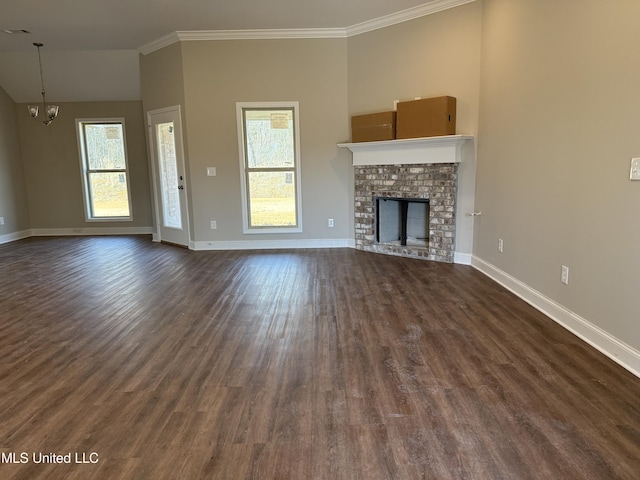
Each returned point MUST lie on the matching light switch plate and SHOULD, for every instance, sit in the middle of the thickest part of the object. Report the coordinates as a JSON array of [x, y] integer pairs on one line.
[[635, 169], [211, 171]]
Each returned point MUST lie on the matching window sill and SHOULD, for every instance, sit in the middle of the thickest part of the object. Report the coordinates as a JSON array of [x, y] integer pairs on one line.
[[111, 219]]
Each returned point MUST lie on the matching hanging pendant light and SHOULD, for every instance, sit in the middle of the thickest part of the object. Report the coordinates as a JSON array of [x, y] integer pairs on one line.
[[50, 111]]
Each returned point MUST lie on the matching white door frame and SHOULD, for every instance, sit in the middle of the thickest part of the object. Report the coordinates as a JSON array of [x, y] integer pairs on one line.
[[157, 233]]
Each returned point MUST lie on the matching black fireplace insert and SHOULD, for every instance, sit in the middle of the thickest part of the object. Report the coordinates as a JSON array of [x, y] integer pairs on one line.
[[402, 220]]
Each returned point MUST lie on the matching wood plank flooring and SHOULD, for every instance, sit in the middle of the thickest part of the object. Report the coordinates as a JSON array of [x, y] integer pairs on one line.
[[312, 364]]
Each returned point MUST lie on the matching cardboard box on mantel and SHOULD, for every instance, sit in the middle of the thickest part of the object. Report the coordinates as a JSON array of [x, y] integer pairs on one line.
[[427, 117], [373, 127]]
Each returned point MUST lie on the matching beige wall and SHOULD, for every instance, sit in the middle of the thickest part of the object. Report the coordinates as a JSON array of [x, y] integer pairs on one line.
[[161, 78], [559, 123], [428, 57], [217, 74], [162, 86], [13, 193], [52, 166]]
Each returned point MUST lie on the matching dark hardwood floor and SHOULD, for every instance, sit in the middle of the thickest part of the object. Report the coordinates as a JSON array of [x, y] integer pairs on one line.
[[166, 363]]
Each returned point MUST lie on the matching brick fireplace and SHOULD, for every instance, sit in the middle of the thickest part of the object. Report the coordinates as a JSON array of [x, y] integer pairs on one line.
[[420, 170], [436, 183]]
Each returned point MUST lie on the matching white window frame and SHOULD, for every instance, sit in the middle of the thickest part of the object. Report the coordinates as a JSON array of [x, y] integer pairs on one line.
[[244, 170], [85, 171]]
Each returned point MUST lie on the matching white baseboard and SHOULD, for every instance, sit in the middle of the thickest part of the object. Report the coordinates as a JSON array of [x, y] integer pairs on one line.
[[269, 244], [12, 237], [462, 258], [621, 353], [67, 232]]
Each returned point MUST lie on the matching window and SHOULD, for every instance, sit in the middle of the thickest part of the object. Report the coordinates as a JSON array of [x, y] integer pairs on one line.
[[270, 166], [105, 177]]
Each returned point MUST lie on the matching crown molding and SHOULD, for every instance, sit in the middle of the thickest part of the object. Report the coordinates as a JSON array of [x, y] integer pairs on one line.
[[429, 8], [266, 34], [273, 34], [161, 42]]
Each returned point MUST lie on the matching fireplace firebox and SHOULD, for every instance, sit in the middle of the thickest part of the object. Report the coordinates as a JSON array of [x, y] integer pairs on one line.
[[402, 221]]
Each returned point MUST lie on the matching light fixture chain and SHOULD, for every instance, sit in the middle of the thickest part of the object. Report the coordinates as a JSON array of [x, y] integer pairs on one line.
[[38, 45]]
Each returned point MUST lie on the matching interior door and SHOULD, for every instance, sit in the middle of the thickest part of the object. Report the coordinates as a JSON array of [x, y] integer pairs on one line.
[[165, 138]]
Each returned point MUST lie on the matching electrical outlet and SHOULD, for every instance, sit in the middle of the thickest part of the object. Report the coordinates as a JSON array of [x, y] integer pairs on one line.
[[214, 224], [211, 171], [330, 223], [1, 220], [564, 276], [500, 245]]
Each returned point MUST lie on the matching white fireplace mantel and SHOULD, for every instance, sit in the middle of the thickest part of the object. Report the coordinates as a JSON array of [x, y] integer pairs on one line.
[[445, 149]]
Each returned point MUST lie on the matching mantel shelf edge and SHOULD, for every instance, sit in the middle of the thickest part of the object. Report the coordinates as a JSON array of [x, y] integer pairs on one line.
[[444, 149]]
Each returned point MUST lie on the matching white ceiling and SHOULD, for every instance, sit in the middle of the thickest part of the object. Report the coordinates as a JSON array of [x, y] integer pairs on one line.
[[91, 47], [130, 24]]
